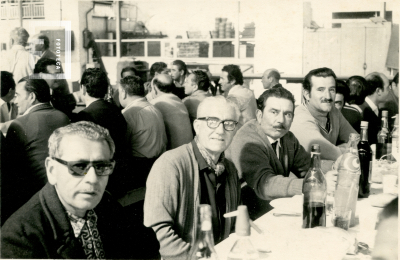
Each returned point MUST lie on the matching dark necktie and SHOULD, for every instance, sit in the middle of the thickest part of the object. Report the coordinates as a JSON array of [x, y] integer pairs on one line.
[[274, 146]]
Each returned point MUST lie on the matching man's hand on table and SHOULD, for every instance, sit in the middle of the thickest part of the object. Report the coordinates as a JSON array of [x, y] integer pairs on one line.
[[331, 178]]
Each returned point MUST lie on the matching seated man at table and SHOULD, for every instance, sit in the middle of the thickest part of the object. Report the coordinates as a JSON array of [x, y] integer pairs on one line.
[[317, 121], [192, 174], [265, 152], [72, 216]]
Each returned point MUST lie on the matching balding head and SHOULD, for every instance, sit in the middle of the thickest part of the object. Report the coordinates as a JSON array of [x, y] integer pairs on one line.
[[163, 83], [378, 86], [19, 36], [270, 78]]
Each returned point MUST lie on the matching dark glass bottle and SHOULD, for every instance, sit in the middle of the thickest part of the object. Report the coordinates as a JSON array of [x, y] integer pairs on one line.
[[203, 247], [365, 155], [314, 190], [383, 146]]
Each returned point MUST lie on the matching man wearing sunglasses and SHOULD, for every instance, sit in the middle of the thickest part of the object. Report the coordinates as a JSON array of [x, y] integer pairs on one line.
[[72, 217], [192, 174]]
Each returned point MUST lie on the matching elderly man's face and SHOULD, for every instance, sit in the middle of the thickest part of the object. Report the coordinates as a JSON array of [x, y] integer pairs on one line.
[[277, 117], [339, 101], [384, 95], [78, 193], [215, 140], [323, 91]]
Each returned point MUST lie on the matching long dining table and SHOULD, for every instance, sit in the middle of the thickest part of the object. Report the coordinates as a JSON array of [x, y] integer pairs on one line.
[[281, 231]]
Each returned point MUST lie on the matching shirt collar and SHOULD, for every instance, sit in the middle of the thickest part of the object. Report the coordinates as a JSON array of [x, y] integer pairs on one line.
[[29, 109], [200, 160], [132, 103], [273, 141], [77, 223], [371, 104]]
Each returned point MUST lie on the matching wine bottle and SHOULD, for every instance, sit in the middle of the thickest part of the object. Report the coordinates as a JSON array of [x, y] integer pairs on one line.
[[365, 155], [383, 146], [314, 190], [203, 246]]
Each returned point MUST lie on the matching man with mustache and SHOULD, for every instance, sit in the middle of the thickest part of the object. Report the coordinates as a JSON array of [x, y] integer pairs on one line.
[[265, 152], [72, 216], [317, 121], [192, 174]]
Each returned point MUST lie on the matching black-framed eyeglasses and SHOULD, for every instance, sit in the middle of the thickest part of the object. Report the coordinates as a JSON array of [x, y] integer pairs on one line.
[[213, 122], [80, 168]]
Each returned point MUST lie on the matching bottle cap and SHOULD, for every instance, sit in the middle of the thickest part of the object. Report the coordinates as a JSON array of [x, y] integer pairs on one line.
[[315, 148], [242, 221], [364, 123], [385, 113]]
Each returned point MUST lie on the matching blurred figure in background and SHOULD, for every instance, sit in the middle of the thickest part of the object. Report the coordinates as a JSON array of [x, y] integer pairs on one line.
[[270, 78], [8, 110], [392, 104], [179, 72], [350, 113], [156, 69]]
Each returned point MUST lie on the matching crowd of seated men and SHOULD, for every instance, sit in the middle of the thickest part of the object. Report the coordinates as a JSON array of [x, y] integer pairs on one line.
[[185, 140]]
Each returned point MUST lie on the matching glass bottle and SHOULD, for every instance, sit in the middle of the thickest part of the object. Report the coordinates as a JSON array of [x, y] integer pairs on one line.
[[365, 155], [383, 146], [395, 139], [348, 180], [314, 190], [243, 248], [203, 247]]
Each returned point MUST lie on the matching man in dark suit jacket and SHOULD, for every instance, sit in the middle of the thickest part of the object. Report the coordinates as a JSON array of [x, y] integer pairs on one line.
[[26, 144], [377, 91], [69, 217], [94, 87]]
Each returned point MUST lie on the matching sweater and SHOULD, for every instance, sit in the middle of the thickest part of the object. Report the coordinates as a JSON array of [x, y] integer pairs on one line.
[[308, 131], [173, 196]]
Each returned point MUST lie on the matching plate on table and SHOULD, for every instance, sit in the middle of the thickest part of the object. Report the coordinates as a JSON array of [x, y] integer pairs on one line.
[[288, 205]]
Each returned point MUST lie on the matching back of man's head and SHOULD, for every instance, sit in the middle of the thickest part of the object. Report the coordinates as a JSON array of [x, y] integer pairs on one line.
[[276, 91], [181, 66], [357, 86], [7, 83], [374, 81], [126, 69], [19, 36], [39, 87], [157, 67], [41, 65], [274, 74], [201, 79], [320, 72], [164, 83], [234, 73], [95, 82], [85, 129], [133, 86]]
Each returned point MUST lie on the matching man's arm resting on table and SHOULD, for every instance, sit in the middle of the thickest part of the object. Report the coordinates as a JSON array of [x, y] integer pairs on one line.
[[160, 208]]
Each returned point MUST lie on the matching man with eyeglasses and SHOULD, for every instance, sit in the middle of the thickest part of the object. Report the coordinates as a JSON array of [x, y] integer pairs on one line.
[[193, 174], [72, 216], [265, 152]]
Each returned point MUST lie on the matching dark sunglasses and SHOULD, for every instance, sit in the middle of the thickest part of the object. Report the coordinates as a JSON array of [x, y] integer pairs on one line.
[[80, 168], [213, 122]]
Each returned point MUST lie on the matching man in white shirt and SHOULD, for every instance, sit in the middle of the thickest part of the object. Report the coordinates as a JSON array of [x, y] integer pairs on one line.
[[17, 60], [377, 91]]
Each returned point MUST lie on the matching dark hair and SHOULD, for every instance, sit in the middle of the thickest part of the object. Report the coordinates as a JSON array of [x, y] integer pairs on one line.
[[201, 79], [41, 65], [157, 67], [166, 88], [274, 74], [276, 91], [357, 86], [374, 81], [46, 41], [95, 82], [234, 73], [342, 88], [133, 85], [321, 72], [7, 82], [396, 78], [181, 66], [39, 87], [128, 69]]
